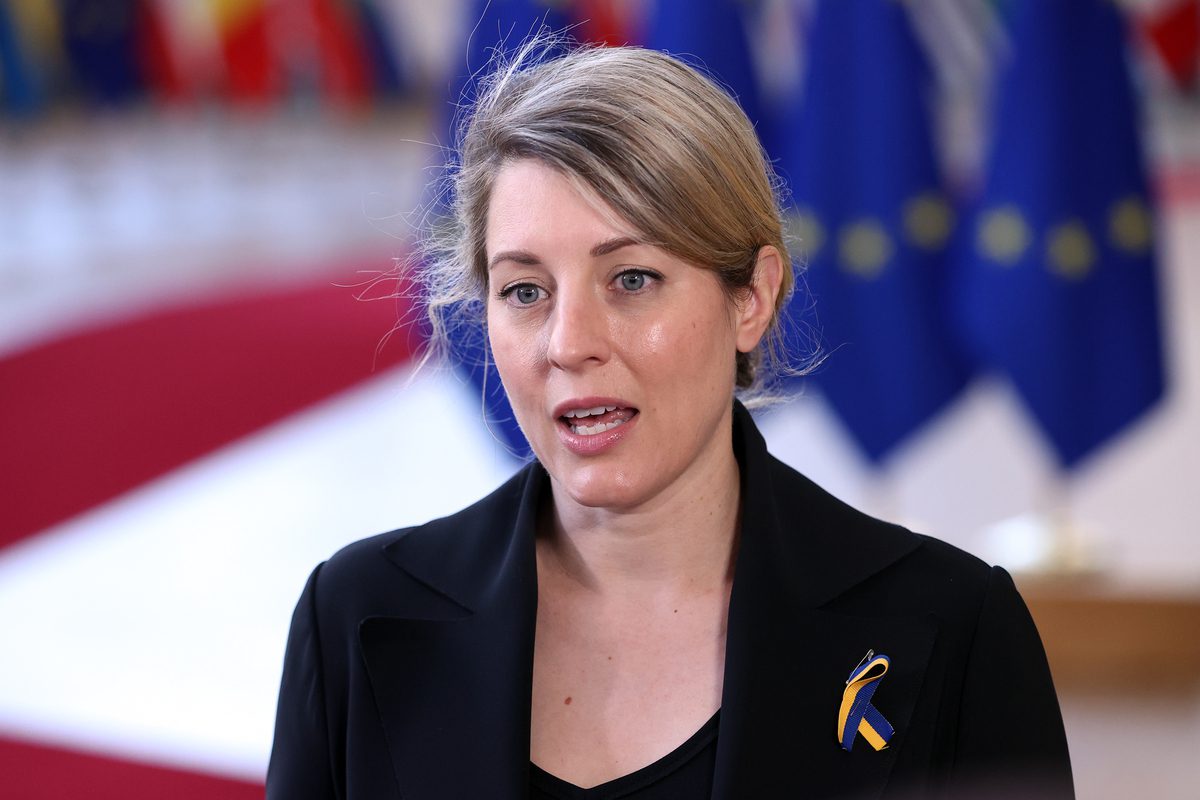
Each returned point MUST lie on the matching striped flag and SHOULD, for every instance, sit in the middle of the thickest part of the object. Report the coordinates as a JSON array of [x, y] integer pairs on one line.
[[252, 69], [18, 88], [193, 48], [27, 32], [342, 52], [383, 44], [156, 54], [100, 40]]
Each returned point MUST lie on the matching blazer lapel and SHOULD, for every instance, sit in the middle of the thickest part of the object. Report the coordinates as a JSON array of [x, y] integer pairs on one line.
[[452, 674], [788, 658]]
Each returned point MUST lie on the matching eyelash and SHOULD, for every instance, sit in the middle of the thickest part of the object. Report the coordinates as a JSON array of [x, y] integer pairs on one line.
[[508, 291]]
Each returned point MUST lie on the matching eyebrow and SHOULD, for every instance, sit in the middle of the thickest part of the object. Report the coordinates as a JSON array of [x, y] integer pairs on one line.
[[613, 245], [525, 257]]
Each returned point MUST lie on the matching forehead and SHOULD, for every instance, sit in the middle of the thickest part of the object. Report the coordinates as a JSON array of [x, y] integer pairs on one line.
[[533, 204]]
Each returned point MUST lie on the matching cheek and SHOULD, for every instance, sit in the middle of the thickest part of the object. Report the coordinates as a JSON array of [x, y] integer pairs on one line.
[[696, 340], [517, 355], [657, 338], [693, 355]]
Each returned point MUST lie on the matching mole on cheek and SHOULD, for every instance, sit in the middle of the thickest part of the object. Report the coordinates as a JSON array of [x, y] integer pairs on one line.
[[567, 702]]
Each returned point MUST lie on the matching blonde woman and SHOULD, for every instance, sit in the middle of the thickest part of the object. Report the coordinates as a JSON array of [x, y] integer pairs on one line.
[[655, 607]]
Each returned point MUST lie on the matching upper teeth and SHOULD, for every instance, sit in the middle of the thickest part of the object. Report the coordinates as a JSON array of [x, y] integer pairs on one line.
[[588, 412]]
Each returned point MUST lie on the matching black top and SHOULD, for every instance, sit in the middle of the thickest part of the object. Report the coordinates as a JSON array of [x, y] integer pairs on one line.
[[409, 665], [685, 773]]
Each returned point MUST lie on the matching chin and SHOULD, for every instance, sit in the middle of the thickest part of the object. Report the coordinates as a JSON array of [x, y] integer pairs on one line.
[[601, 488]]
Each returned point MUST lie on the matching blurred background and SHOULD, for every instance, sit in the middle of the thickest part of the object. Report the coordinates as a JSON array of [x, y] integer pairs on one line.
[[207, 338]]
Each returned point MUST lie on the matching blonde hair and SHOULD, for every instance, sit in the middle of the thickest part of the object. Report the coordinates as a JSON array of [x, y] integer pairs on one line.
[[661, 144]]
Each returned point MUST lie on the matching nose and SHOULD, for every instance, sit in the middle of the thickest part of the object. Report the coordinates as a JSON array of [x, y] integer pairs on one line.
[[578, 331]]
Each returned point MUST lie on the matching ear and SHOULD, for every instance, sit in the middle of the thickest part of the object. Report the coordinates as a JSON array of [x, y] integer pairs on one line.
[[756, 312]]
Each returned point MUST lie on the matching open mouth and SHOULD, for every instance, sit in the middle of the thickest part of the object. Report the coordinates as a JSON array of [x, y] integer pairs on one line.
[[596, 420]]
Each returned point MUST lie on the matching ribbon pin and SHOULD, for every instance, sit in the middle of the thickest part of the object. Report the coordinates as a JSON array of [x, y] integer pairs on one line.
[[857, 715]]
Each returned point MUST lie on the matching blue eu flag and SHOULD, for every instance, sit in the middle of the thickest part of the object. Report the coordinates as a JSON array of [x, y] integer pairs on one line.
[[1057, 287], [495, 28], [873, 223], [712, 35], [472, 358]]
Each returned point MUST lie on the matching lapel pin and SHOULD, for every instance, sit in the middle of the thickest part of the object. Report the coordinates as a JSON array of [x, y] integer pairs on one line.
[[857, 714]]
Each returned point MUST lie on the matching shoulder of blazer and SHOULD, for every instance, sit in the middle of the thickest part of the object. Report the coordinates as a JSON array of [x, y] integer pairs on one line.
[[818, 584], [918, 571], [432, 571], [421, 641]]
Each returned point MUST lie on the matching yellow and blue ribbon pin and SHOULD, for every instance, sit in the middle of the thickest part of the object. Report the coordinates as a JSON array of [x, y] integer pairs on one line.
[[857, 715]]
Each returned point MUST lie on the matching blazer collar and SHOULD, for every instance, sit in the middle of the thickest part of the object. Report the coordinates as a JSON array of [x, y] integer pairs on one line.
[[454, 698], [483, 555], [796, 537]]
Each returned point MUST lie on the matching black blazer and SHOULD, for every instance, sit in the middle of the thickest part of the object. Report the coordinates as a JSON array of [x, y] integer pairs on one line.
[[410, 659]]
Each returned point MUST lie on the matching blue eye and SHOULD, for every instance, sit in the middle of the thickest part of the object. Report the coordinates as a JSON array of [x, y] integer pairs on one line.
[[526, 294], [634, 280], [521, 294]]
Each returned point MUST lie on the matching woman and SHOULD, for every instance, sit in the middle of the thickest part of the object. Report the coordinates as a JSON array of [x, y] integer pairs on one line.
[[655, 608]]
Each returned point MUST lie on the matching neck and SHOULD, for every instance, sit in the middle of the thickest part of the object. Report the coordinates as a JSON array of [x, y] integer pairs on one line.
[[683, 541]]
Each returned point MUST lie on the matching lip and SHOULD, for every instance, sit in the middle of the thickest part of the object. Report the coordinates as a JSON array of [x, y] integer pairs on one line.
[[585, 445]]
